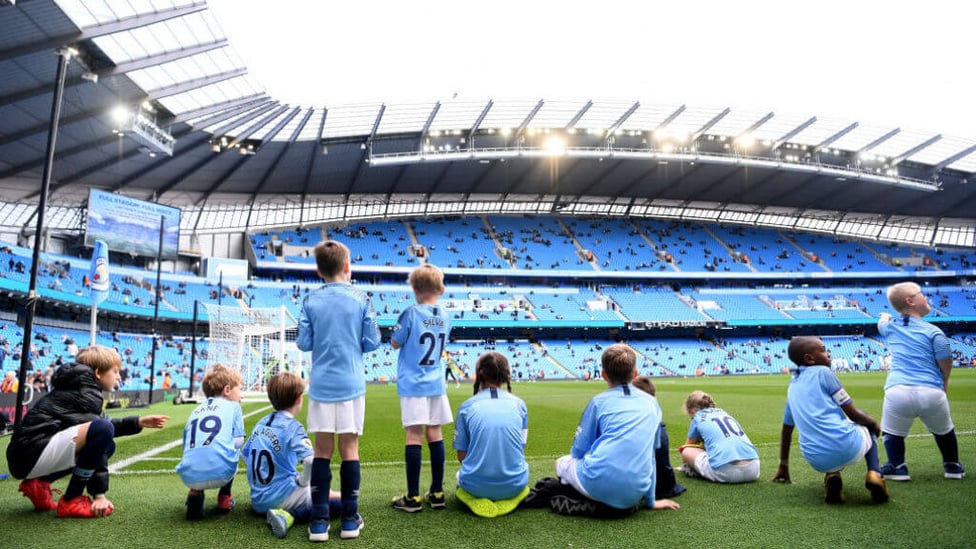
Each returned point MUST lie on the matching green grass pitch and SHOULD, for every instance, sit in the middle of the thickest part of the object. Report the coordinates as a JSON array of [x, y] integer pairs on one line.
[[929, 511]]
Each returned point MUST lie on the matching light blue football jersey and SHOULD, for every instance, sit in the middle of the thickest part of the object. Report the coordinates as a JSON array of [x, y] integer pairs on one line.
[[271, 455], [422, 331], [492, 427], [725, 440], [208, 441]]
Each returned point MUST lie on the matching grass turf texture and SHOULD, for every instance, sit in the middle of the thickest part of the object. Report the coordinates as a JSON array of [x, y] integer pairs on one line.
[[928, 511]]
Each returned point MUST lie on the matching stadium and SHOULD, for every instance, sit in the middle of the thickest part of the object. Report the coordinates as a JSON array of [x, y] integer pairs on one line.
[[703, 237]]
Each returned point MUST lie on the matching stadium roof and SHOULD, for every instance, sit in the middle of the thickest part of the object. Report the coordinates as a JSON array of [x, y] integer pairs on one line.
[[238, 150]]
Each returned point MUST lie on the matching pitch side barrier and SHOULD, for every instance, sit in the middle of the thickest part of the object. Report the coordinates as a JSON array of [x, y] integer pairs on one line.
[[836, 321], [116, 399], [273, 266]]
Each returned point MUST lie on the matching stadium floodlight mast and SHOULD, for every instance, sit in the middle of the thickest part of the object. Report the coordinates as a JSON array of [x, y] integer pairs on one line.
[[65, 53]]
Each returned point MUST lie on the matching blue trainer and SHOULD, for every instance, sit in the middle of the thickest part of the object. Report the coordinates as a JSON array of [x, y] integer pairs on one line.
[[351, 527], [953, 470], [318, 530], [891, 472]]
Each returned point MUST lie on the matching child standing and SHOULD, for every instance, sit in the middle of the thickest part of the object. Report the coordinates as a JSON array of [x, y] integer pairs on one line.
[[66, 432], [921, 361], [612, 458], [490, 436], [338, 324], [212, 439], [717, 448], [276, 446], [821, 409], [421, 333]]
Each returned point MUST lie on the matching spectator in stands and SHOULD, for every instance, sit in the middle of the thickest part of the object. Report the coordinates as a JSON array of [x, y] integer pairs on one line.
[[817, 404], [717, 447], [918, 379], [490, 436], [420, 334], [9, 384], [65, 432]]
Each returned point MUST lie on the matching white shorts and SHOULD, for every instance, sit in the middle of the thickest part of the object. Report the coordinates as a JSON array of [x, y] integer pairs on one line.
[[435, 410], [866, 441], [58, 455], [299, 499], [904, 403], [566, 471], [337, 417], [730, 473]]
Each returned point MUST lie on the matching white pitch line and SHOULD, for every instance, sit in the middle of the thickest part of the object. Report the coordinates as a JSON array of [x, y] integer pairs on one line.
[[122, 464]]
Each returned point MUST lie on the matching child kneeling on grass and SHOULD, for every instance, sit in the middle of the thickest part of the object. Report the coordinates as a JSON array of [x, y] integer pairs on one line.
[[271, 455], [66, 432], [717, 448], [821, 409], [211, 441], [489, 436]]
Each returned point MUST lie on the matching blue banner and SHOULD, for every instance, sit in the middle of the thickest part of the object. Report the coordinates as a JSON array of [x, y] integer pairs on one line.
[[98, 275]]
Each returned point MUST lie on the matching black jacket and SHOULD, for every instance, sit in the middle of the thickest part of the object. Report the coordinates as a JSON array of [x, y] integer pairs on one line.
[[76, 398]]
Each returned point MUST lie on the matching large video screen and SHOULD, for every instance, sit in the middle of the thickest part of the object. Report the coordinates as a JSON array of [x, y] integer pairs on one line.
[[132, 226]]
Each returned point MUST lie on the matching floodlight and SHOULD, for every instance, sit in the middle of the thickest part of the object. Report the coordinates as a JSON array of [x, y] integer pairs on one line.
[[121, 115]]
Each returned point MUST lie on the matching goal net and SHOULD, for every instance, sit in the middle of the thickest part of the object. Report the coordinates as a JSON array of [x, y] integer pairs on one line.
[[258, 342]]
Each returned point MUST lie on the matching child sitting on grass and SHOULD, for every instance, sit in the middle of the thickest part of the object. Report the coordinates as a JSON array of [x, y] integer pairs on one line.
[[276, 446], [717, 448], [211, 441], [66, 432], [821, 409], [490, 435], [665, 485], [612, 457]]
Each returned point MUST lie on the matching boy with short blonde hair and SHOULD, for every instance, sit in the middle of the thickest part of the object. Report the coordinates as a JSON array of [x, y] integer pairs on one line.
[[67, 432], [420, 334], [212, 439], [338, 325]]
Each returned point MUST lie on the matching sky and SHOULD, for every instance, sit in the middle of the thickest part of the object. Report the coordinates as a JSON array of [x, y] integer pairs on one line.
[[892, 64]]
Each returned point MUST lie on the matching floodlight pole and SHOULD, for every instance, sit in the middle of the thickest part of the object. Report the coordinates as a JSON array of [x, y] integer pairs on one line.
[[64, 56], [159, 272]]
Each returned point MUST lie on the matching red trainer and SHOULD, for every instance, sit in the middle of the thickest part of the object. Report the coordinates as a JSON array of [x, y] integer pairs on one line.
[[39, 492], [225, 503], [79, 507]]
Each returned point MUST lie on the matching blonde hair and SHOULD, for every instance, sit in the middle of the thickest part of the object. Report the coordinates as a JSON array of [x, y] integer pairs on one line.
[[697, 400], [284, 390], [897, 293], [218, 377], [427, 279], [99, 358]]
